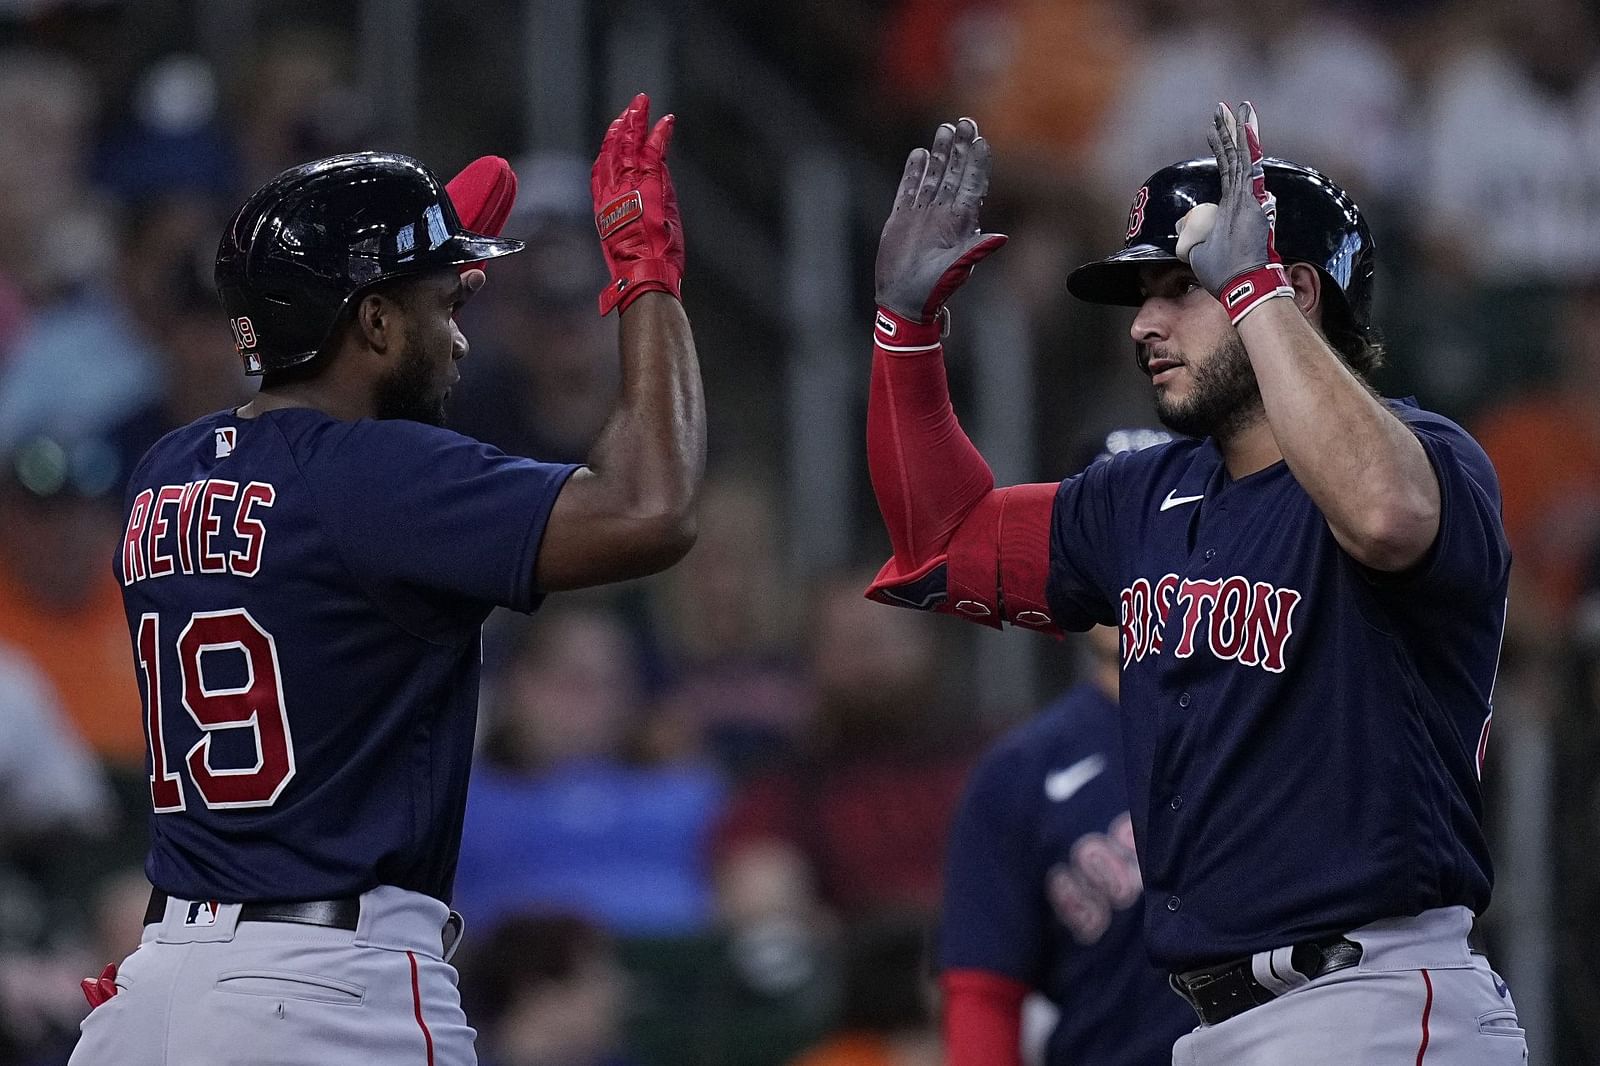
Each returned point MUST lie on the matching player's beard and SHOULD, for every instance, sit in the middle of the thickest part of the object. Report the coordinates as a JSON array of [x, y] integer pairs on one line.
[[408, 390], [1224, 396]]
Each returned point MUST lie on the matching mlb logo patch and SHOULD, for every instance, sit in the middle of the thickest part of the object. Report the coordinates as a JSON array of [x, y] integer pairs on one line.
[[226, 436], [201, 912]]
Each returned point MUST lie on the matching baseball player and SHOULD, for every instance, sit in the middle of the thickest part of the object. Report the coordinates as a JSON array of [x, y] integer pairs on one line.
[[1310, 592], [306, 577], [1042, 891]]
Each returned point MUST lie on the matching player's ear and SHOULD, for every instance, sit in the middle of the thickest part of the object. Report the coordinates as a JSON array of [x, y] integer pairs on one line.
[[1307, 284], [377, 319]]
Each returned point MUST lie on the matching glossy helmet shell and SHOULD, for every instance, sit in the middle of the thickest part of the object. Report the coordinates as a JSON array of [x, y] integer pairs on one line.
[[1318, 223], [309, 240]]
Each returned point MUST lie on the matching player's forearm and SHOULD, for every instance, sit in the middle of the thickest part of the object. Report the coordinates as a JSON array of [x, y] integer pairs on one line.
[[926, 473], [1364, 469], [652, 451]]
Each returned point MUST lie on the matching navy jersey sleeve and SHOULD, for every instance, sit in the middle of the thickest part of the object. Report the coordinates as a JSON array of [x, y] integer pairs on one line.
[[424, 507], [994, 915], [1082, 587], [1470, 555]]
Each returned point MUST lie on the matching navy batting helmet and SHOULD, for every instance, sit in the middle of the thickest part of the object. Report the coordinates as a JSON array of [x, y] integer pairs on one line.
[[1318, 223], [318, 234]]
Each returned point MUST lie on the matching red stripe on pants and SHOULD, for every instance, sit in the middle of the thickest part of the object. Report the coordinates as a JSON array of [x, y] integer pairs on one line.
[[1427, 1009], [416, 1000]]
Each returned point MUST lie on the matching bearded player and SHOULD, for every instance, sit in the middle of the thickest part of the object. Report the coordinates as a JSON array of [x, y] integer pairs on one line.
[[1310, 593]]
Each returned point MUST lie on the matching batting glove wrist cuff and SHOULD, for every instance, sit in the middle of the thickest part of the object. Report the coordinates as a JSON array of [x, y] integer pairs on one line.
[[897, 334], [1247, 291], [642, 276]]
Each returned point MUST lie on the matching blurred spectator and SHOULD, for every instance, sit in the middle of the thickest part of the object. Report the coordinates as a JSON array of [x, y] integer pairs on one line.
[[47, 115], [568, 808], [166, 282], [860, 816], [1546, 448], [727, 631], [544, 371], [297, 102], [59, 602], [146, 355], [1330, 94], [176, 142], [55, 809], [544, 990], [1522, 202], [1505, 219], [49, 782], [887, 1011], [1039, 74]]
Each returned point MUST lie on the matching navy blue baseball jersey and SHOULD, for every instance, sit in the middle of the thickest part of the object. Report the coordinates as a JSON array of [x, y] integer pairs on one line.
[[305, 597], [1042, 886], [1304, 735]]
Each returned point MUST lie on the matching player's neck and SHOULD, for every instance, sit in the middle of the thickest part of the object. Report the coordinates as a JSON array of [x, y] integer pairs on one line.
[[344, 404], [1251, 448]]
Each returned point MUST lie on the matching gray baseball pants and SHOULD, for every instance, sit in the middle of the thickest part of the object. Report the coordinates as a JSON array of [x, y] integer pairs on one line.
[[205, 989], [1419, 996]]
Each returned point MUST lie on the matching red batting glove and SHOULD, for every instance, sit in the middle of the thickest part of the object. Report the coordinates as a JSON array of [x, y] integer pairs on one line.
[[636, 209], [483, 195], [99, 989]]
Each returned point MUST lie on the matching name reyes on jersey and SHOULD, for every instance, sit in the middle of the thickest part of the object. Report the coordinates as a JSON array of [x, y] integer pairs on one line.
[[211, 526], [1247, 621]]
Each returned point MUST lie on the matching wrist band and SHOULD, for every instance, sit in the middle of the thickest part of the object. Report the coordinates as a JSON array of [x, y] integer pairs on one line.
[[1247, 291], [896, 333]]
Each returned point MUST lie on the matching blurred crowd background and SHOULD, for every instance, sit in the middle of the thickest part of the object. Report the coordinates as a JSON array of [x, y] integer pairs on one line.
[[707, 823]]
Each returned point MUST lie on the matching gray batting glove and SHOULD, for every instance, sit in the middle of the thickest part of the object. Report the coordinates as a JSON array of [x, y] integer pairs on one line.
[[1230, 245], [932, 241]]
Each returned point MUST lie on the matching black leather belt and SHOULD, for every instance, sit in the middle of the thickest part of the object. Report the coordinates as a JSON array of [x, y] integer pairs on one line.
[[331, 913], [1221, 992]]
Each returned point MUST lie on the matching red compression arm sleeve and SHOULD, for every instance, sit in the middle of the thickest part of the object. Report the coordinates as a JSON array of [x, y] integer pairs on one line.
[[982, 1018], [938, 499]]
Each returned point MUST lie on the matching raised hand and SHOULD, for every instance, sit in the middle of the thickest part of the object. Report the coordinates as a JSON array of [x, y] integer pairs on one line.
[[1230, 245], [636, 208], [932, 240]]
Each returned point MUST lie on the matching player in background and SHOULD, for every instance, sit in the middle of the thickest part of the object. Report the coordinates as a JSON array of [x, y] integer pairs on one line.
[[306, 578], [1310, 592], [1042, 887]]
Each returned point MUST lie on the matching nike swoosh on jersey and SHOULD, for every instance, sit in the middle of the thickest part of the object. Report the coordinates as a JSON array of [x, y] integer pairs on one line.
[[1177, 501], [1062, 784]]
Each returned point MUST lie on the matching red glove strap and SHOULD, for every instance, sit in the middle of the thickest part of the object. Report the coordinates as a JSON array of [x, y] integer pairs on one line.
[[644, 275], [1250, 290]]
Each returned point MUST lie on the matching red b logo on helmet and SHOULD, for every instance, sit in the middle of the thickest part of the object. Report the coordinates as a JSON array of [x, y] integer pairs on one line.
[[1136, 212]]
